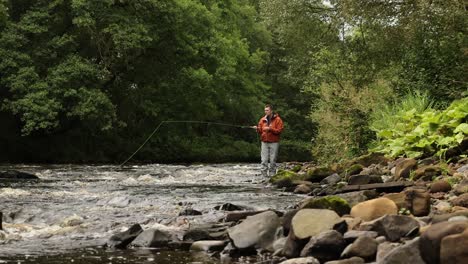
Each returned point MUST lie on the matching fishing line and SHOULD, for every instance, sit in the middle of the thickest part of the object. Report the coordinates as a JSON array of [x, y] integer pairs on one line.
[[178, 121]]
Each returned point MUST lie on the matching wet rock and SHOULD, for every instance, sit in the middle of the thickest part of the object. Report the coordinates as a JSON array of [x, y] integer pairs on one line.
[[430, 240], [73, 220], [363, 247], [331, 180], [454, 248], [302, 189], [310, 222], [403, 168], [408, 253], [461, 200], [384, 248], [121, 240], [229, 207], [353, 260], [307, 260], [326, 246], [317, 174], [418, 201], [393, 227], [440, 186], [352, 235], [373, 209], [257, 231], [189, 211], [364, 179], [335, 203], [153, 238], [208, 245], [17, 175], [307, 223]]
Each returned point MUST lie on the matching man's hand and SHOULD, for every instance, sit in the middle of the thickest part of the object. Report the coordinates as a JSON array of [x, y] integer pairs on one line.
[[267, 128], [254, 127]]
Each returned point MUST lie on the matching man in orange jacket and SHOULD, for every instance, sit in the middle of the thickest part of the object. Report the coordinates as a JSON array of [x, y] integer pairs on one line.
[[269, 127]]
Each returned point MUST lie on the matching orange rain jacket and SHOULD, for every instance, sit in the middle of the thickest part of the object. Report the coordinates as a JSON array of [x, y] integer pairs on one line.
[[276, 127]]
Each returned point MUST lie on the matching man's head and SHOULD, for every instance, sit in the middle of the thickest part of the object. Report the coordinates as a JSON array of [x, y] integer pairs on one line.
[[268, 110]]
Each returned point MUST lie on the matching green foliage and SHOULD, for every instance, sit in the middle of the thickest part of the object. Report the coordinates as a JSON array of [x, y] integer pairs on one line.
[[342, 118], [429, 132]]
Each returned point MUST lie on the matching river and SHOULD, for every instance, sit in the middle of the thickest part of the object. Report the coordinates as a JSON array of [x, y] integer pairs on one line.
[[68, 214]]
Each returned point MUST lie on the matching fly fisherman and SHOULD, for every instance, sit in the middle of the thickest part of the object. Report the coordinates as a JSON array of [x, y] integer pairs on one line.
[[269, 127]]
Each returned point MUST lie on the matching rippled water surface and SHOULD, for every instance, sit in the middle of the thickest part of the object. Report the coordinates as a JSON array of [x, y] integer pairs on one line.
[[70, 212]]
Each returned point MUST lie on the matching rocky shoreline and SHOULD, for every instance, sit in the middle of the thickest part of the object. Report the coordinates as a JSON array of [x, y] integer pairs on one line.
[[369, 210]]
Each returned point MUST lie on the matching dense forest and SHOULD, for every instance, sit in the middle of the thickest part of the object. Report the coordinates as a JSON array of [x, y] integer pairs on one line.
[[89, 80]]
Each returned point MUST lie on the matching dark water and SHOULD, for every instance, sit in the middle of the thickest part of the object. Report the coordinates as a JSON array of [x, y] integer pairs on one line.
[[67, 215]]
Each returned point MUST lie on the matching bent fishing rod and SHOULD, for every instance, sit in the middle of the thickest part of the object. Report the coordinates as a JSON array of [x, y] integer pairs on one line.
[[178, 121]]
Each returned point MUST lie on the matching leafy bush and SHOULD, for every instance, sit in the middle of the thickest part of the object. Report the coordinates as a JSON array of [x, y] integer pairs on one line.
[[342, 117], [422, 132]]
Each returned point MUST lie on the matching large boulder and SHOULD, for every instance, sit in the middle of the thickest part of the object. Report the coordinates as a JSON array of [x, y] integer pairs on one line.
[[393, 227], [363, 247], [310, 222], [430, 240], [122, 239], [257, 231], [454, 248], [305, 224], [154, 238], [408, 253], [373, 209], [326, 246]]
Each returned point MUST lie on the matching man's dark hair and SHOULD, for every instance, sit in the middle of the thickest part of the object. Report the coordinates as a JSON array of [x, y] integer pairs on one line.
[[269, 106]]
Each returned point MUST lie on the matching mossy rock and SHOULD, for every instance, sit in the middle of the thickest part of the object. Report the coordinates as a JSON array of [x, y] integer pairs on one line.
[[296, 168], [335, 203], [353, 169], [317, 174], [285, 176]]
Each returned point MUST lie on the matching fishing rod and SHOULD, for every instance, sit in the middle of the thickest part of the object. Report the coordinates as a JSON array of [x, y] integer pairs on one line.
[[178, 121]]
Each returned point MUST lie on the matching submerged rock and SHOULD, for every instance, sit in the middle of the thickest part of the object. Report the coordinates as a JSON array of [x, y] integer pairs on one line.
[[121, 240], [17, 175]]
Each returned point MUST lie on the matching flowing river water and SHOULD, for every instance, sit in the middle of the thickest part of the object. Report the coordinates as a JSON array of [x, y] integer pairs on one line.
[[68, 214]]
